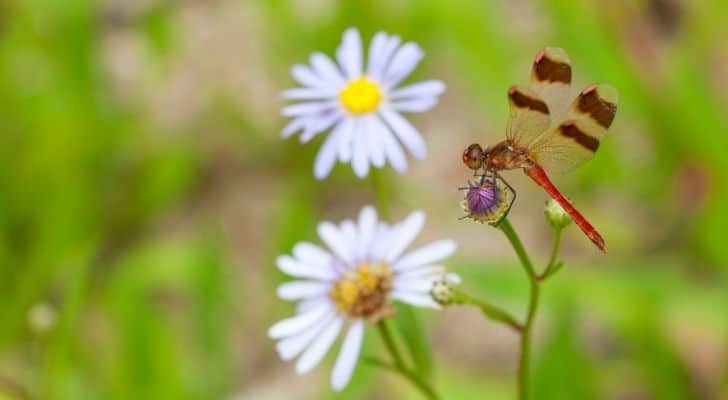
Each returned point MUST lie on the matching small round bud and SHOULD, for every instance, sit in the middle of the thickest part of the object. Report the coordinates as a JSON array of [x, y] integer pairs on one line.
[[555, 214], [443, 291], [487, 203]]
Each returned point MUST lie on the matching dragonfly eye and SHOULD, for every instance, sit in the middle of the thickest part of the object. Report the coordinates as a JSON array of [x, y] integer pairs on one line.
[[473, 156]]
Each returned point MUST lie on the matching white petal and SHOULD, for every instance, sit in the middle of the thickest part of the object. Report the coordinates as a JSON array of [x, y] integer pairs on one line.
[[306, 77], [380, 59], [300, 269], [321, 124], [292, 346], [360, 162], [326, 156], [349, 234], [414, 105], [307, 108], [454, 278], [346, 139], [312, 255], [298, 323], [378, 43], [318, 349], [381, 241], [326, 68], [308, 94], [349, 54], [310, 303], [416, 273], [302, 289], [392, 149], [404, 233], [431, 88], [427, 254], [415, 299], [403, 62], [294, 126], [373, 131], [331, 235], [422, 285], [409, 136], [348, 355], [367, 225]]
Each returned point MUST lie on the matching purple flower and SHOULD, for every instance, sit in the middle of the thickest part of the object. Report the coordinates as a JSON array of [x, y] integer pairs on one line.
[[487, 203]]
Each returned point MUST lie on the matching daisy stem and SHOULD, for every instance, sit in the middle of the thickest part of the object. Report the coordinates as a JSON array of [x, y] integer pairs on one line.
[[399, 365], [380, 187], [554, 253], [493, 312], [523, 363]]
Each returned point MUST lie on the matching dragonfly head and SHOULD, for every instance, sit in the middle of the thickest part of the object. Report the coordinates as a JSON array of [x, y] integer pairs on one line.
[[474, 156]]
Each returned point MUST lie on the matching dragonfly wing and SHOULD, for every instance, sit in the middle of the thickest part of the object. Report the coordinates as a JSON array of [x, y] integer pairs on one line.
[[577, 137], [551, 79], [529, 115]]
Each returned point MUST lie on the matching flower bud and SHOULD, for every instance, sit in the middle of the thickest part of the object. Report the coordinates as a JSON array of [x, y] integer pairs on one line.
[[443, 291], [555, 214], [486, 202]]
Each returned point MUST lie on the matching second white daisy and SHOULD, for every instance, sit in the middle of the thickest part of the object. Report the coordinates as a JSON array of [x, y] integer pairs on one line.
[[361, 104], [354, 282]]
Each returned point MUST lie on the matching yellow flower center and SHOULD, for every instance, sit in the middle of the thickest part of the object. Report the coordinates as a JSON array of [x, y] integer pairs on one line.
[[360, 96], [363, 291]]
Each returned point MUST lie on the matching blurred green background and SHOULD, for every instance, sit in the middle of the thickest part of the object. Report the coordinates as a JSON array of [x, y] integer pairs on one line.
[[144, 194]]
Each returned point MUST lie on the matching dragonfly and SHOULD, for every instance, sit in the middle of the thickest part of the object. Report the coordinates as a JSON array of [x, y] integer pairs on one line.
[[549, 130]]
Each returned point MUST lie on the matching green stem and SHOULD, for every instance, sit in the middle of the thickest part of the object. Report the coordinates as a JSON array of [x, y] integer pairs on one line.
[[493, 312], [399, 365], [524, 360], [554, 253], [380, 188]]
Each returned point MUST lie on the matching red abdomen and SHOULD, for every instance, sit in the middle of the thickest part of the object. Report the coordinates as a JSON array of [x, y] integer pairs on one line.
[[539, 176]]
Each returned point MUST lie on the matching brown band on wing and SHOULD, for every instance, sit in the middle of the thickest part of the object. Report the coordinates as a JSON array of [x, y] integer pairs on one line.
[[522, 100], [546, 69], [600, 110], [569, 129]]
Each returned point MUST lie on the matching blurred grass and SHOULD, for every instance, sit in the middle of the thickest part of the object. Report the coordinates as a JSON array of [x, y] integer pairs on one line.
[[113, 216]]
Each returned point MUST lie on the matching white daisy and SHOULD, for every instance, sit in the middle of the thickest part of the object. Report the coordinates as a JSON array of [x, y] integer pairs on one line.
[[361, 104], [353, 282]]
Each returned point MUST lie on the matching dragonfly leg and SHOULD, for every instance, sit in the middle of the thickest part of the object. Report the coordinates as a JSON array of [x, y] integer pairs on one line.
[[510, 188]]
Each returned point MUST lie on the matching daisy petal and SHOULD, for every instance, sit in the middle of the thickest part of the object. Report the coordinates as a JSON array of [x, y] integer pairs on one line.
[[416, 273], [292, 346], [345, 140], [331, 235], [360, 161], [297, 269], [378, 43], [312, 255], [427, 254], [318, 349], [379, 60], [349, 234], [422, 285], [415, 299], [414, 105], [326, 156], [302, 289], [406, 133], [403, 62], [321, 124], [310, 303], [367, 225], [293, 325], [307, 108], [404, 233], [306, 77], [294, 126], [392, 149], [326, 68], [349, 54], [307, 94], [348, 355], [417, 90], [374, 140]]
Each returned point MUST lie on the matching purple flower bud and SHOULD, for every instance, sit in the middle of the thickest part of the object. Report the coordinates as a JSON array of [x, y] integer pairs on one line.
[[487, 202]]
